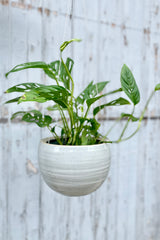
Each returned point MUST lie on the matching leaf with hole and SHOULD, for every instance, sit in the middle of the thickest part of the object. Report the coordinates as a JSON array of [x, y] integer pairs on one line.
[[63, 75], [93, 100], [33, 116], [24, 87], [91, 91], [55, 93], [24, 66], [116, 102]]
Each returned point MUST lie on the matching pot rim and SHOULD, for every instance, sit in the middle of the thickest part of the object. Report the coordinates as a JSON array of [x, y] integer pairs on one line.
[[44, 141]]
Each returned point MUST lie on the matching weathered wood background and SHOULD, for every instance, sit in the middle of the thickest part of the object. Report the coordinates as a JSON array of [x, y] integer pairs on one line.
[[127, 206]]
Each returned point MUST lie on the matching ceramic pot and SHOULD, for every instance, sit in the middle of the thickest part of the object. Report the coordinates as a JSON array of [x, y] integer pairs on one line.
[[74, 170]]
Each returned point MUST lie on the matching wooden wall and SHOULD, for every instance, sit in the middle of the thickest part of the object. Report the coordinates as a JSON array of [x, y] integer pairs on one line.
[[127, 206]]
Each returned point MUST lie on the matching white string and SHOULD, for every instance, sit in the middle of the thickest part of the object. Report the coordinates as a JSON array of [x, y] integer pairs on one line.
[[68, 13], [85, 14], [86, 19]]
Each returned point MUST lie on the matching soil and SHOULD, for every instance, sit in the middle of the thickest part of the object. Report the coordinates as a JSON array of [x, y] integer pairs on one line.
[[53, 141]]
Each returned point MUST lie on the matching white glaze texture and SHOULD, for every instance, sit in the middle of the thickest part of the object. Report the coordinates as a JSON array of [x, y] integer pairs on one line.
[[74, 170]]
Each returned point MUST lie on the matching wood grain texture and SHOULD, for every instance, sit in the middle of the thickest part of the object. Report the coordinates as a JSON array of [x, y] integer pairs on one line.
[[126, 207]]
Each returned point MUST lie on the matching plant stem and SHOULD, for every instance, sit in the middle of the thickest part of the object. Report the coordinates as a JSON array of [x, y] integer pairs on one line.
[[141, 117], [72, 91], [126, 125], [56, 136], [81, 125], [65, 124], [113, 125]]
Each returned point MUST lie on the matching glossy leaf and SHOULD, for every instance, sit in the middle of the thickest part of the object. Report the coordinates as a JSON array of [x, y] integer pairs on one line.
[[116, 102], [55, 66], [63, 75], [47, 120], [91, 91], [93, 100], [32, 96], [65, 44], [157, 87], [23, 66], [50, 73], [134, 119], [33, 116], [90, 132], [55, 107], [23, 87], [129, 85], [18, 114], [41, 65], [13, 100], [55, 93]]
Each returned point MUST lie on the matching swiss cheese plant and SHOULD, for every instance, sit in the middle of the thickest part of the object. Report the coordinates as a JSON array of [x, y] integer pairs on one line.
[[76, 127]]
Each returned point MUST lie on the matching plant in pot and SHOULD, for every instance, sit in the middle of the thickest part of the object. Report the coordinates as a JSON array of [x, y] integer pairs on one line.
[[75, 160]]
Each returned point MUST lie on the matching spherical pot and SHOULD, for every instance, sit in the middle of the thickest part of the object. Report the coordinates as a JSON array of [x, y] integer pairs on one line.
[[74, 170]]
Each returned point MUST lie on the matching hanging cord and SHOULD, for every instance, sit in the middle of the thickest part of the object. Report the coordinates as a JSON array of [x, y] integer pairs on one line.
[[68, 14]]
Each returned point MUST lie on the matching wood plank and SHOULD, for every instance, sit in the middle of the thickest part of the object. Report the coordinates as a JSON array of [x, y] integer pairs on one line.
[[3, 184], [4, 134], [53, 206], [33, 132]]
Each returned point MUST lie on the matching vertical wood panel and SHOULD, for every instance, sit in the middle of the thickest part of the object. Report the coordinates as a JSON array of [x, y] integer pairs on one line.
[[3, 185], [33, 132], [16, 169], [53, 221], [4, 135]]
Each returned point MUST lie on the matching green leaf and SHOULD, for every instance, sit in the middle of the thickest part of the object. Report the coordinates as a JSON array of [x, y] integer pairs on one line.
[[18, 114], [13, 100], [116, 102], [157, 87], [114, 91], [93, 100], [53, 129], [47, 120], [55, 66], [65, 44], [98, 87], [55, 93], [23, 66], [87, 139], [129, 85], [90, 132], [134, 119], [42, 65], [63, 75], [33, 116], [60, 72], [50, 73], [91, 91], [94, 125], [23, 87], [85, 94], [55, 107], [32, 96]]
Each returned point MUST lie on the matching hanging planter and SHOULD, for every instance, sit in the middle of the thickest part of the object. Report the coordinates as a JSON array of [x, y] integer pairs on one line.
[[74, 170], [79, 161]]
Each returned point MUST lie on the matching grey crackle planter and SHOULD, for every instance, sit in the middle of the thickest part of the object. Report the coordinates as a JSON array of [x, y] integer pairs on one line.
[[74, 170]]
